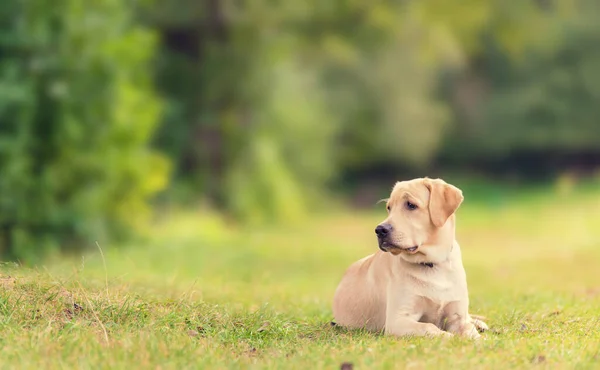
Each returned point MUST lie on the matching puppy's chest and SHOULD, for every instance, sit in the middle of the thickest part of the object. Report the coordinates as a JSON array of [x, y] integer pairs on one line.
[[435, 297], [440, 291]]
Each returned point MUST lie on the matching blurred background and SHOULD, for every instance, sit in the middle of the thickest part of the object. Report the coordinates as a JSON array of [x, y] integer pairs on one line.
[[116, 114]]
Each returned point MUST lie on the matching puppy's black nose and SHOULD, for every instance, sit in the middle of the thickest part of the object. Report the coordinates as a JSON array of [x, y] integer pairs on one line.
[[383, 230]]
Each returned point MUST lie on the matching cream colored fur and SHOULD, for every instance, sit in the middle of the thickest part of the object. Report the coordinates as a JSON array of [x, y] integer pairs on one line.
[[393, 290]]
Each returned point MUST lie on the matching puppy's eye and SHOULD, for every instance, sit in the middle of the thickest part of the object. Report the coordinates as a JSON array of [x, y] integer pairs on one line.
[[411, 206], [388, 208]]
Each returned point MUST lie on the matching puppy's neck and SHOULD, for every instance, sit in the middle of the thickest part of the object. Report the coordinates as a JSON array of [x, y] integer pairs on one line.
[[438, 257], [437, 249]]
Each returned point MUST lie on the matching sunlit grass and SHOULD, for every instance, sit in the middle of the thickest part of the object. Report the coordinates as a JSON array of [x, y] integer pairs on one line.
[[205, 293]]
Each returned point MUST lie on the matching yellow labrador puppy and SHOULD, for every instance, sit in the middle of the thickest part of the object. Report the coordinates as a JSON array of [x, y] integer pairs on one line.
[[416, 284]]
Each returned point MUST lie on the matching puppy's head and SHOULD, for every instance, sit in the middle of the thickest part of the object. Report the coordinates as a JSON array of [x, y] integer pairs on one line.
[[420, 226]]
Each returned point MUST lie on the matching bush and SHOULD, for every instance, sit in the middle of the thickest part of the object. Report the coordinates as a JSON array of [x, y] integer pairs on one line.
[[77, 111]]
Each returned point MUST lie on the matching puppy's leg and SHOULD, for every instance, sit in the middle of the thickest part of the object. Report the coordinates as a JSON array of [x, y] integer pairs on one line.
[[469, 330], [405, 326], [402, 317], [464, 327], [479, 323]]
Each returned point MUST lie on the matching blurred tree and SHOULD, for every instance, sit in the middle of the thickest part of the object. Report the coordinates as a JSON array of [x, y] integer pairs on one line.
[[246, 122], [533, 110], [77, 112], [551, 94], [270, 101]]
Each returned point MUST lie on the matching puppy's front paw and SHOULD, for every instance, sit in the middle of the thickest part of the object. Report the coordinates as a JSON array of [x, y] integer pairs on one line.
[[479, 324], [469, 330], [473, 334]]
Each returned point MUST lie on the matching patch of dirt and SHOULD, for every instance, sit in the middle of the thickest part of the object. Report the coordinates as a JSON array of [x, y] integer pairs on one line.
[[73, 311], [7, 282], [539, 359]]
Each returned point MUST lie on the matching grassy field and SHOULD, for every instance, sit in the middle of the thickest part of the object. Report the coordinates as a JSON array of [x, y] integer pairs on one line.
[[205, 294]]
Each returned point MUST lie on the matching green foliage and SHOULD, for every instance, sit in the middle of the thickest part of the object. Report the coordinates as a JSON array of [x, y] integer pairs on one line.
[[77, 111], [540, 101], [249, 119], [267, 105], [270, 102], [552, 96], [390, 85], [289, 154]]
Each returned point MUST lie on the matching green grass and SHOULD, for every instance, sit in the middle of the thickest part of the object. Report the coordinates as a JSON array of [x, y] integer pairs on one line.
[[202, 293]]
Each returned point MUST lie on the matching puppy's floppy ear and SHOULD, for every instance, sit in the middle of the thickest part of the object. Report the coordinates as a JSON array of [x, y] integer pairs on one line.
[[444, 200]]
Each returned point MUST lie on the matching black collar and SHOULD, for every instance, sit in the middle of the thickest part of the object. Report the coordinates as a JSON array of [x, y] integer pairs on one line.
[[426, 264]]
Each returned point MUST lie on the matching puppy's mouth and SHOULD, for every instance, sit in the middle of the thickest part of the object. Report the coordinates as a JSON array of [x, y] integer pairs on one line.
[[387, 246]]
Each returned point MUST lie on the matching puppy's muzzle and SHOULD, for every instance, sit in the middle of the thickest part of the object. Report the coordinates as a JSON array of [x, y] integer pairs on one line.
[[383, 231]]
